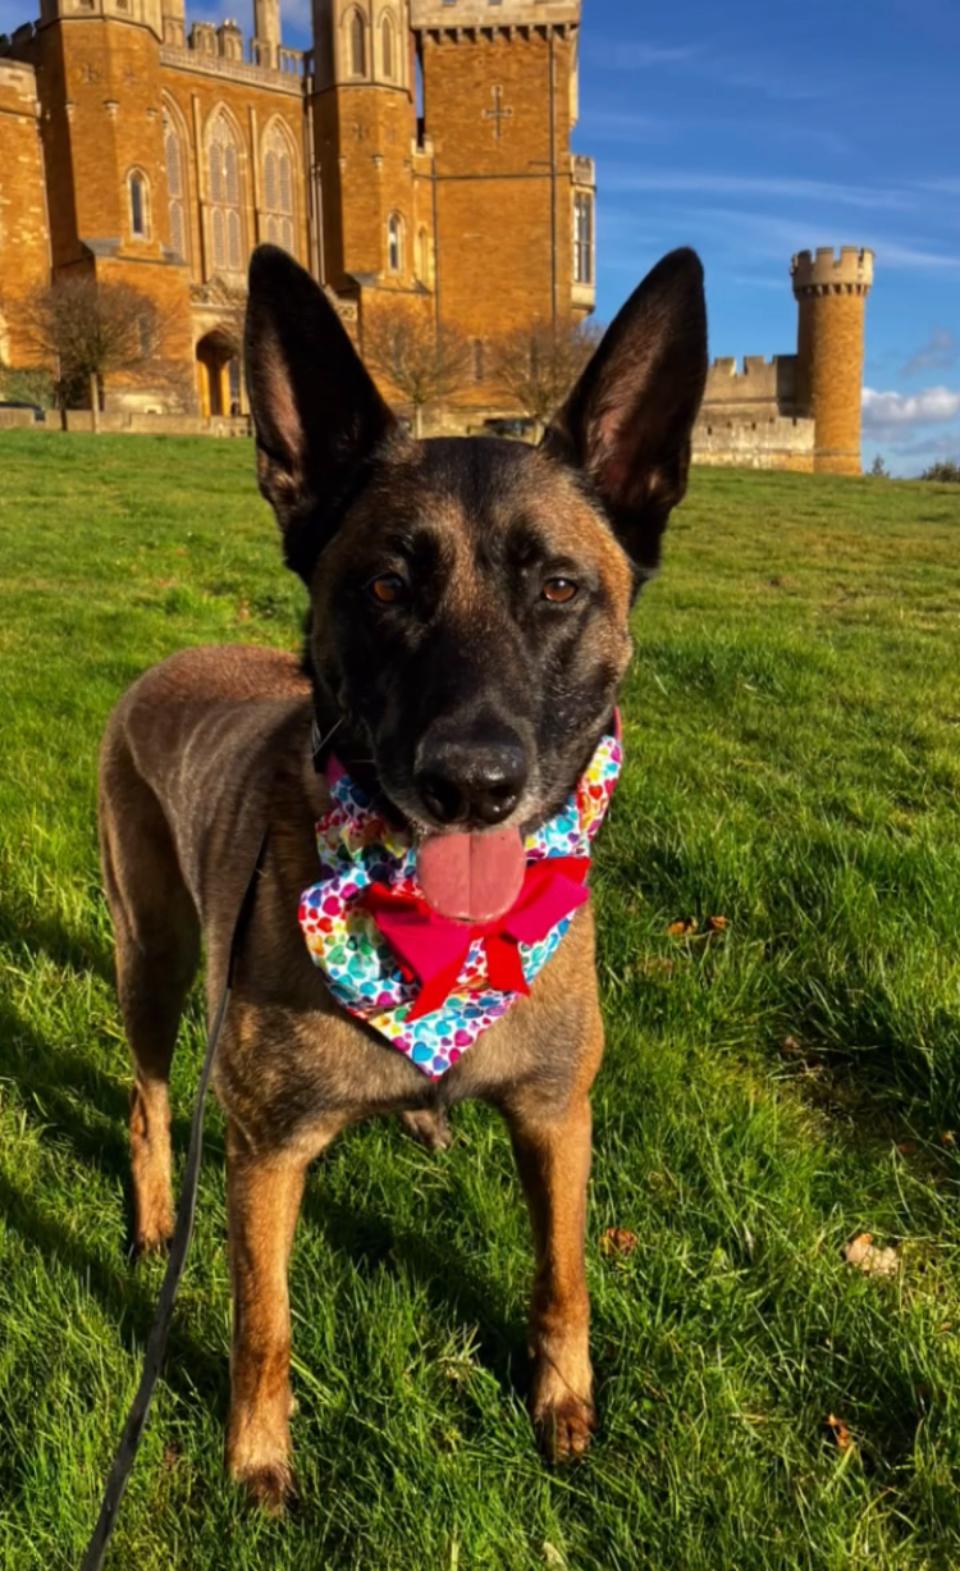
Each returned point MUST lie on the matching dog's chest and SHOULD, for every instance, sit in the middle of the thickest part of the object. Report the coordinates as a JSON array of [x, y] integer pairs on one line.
[[294, 1060]]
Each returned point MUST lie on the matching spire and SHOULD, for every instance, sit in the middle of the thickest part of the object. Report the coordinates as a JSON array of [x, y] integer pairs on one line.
[[266, 33]]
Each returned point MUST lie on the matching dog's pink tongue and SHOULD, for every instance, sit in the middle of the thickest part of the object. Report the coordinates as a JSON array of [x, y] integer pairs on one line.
[[472, 877]]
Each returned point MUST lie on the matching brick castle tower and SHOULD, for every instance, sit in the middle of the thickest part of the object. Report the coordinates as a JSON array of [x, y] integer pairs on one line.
[[101, 129], [831, 292], [442, 146]]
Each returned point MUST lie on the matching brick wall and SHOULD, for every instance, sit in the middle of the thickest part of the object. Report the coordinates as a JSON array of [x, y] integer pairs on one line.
[[766, 441], [501, 135], [24, 235], [830, 338]]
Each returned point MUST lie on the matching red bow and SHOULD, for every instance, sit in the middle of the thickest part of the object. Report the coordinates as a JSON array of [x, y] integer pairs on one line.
[[432, 948]]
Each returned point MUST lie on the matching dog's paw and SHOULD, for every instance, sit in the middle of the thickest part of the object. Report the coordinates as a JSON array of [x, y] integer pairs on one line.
[[269, 1486], [431, 1129], [565, 1429], [152, 1240]]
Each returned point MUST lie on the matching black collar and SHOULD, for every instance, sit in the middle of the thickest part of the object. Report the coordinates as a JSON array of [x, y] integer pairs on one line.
[[319, 742]]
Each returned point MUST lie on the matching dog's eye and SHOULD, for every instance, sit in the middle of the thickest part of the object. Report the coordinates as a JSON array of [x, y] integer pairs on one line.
[[388, 588], [559, 590]]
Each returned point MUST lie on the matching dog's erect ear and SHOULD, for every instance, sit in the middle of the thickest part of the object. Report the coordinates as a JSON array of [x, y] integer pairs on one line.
[[628, 421], [317, 414]]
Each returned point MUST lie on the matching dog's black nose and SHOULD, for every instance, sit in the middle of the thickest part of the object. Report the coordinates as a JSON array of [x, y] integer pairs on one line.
[[477, 782]]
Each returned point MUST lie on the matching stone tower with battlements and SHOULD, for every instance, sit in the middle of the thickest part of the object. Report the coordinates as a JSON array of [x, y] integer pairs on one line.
[[799, 411], [447, 184], [499, 106], [365, 147], [831, 292]]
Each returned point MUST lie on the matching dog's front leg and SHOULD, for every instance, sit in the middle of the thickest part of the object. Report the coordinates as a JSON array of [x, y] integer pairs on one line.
[[264, 1194], [553, 1155]]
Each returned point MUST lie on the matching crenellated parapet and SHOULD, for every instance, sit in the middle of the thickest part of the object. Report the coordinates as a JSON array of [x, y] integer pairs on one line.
[[758, 381], [219, 51], [826, 271], [479, 16]]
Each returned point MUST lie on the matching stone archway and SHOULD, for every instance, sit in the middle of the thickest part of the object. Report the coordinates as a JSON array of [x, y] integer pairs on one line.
[[218, 374]]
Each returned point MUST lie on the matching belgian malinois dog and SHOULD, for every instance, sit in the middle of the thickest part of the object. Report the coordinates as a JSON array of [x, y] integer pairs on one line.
[[468, 629]]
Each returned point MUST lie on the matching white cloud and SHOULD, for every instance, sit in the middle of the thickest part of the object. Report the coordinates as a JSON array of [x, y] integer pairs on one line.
[[891, 413], [626, 178]]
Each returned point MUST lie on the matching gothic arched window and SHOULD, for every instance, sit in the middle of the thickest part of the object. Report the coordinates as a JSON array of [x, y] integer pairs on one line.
[[176, 186], [226, 226], [387, 48], [358, 44], [583, 238], [395, 243], [139, 205], [278, 170]]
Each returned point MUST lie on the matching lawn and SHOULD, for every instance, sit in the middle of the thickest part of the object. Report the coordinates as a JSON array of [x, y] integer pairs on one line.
[[775, 1084]]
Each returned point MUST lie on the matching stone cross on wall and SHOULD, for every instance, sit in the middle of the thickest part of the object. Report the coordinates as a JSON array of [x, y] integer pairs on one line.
[[499, 112]]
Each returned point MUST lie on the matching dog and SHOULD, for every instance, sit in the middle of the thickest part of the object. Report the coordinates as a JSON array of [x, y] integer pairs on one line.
[[468, 629]]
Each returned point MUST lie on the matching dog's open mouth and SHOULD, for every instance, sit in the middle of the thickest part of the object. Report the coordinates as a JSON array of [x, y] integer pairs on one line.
[[472, 877]]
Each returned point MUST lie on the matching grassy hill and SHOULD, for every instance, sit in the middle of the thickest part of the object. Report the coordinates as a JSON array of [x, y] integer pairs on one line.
[[775, 1084]]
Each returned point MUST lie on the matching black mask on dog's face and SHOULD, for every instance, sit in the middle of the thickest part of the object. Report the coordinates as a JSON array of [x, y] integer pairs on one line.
[[470, 598]]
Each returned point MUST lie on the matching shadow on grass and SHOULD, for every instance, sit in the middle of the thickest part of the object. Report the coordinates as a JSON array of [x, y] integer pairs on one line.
[[122, 1291], [47, 935], [83, 1107], [449, 1277]]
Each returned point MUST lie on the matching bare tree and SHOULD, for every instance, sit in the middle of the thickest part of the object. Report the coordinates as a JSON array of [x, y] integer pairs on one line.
[[425, 364], [91, 329], [538, 365]]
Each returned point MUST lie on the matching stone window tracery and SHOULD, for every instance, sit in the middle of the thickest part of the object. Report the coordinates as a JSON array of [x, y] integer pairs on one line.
[[583, 238], [387, 48], [139, 205], [278, 170], [395, 243], [358, 44], [226, 227], [176, 186]]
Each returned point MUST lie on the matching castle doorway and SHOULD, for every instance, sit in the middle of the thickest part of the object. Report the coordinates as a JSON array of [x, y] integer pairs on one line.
[[218, 374]]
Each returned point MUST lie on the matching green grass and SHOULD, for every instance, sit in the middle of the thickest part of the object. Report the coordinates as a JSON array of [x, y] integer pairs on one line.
[[793, 721]]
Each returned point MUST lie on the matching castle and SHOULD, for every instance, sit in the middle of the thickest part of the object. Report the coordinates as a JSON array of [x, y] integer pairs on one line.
[[797, 411], [417, 160]]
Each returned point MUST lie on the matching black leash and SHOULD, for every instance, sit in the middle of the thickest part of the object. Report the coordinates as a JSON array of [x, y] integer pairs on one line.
[[180, 1243]]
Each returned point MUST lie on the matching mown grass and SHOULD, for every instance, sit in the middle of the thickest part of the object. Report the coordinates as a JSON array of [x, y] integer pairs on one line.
[[793, 721]]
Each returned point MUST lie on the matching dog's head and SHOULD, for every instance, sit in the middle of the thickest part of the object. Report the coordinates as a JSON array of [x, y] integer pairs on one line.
[[470, 598]]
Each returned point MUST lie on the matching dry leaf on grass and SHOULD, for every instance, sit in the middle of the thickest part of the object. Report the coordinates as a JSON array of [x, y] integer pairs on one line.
[[839, 1433], [863, 1253], [686, 927], [618, 1241]]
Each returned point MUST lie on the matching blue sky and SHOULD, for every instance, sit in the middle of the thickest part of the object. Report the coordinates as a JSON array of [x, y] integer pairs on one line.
[[757, 128], [752, 130]]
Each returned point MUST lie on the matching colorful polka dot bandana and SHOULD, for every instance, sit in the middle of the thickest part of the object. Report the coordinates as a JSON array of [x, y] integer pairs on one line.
[[476, 974]]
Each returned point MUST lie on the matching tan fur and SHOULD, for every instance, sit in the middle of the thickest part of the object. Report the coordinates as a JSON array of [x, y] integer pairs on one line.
[[199, 755], [214, 746]]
